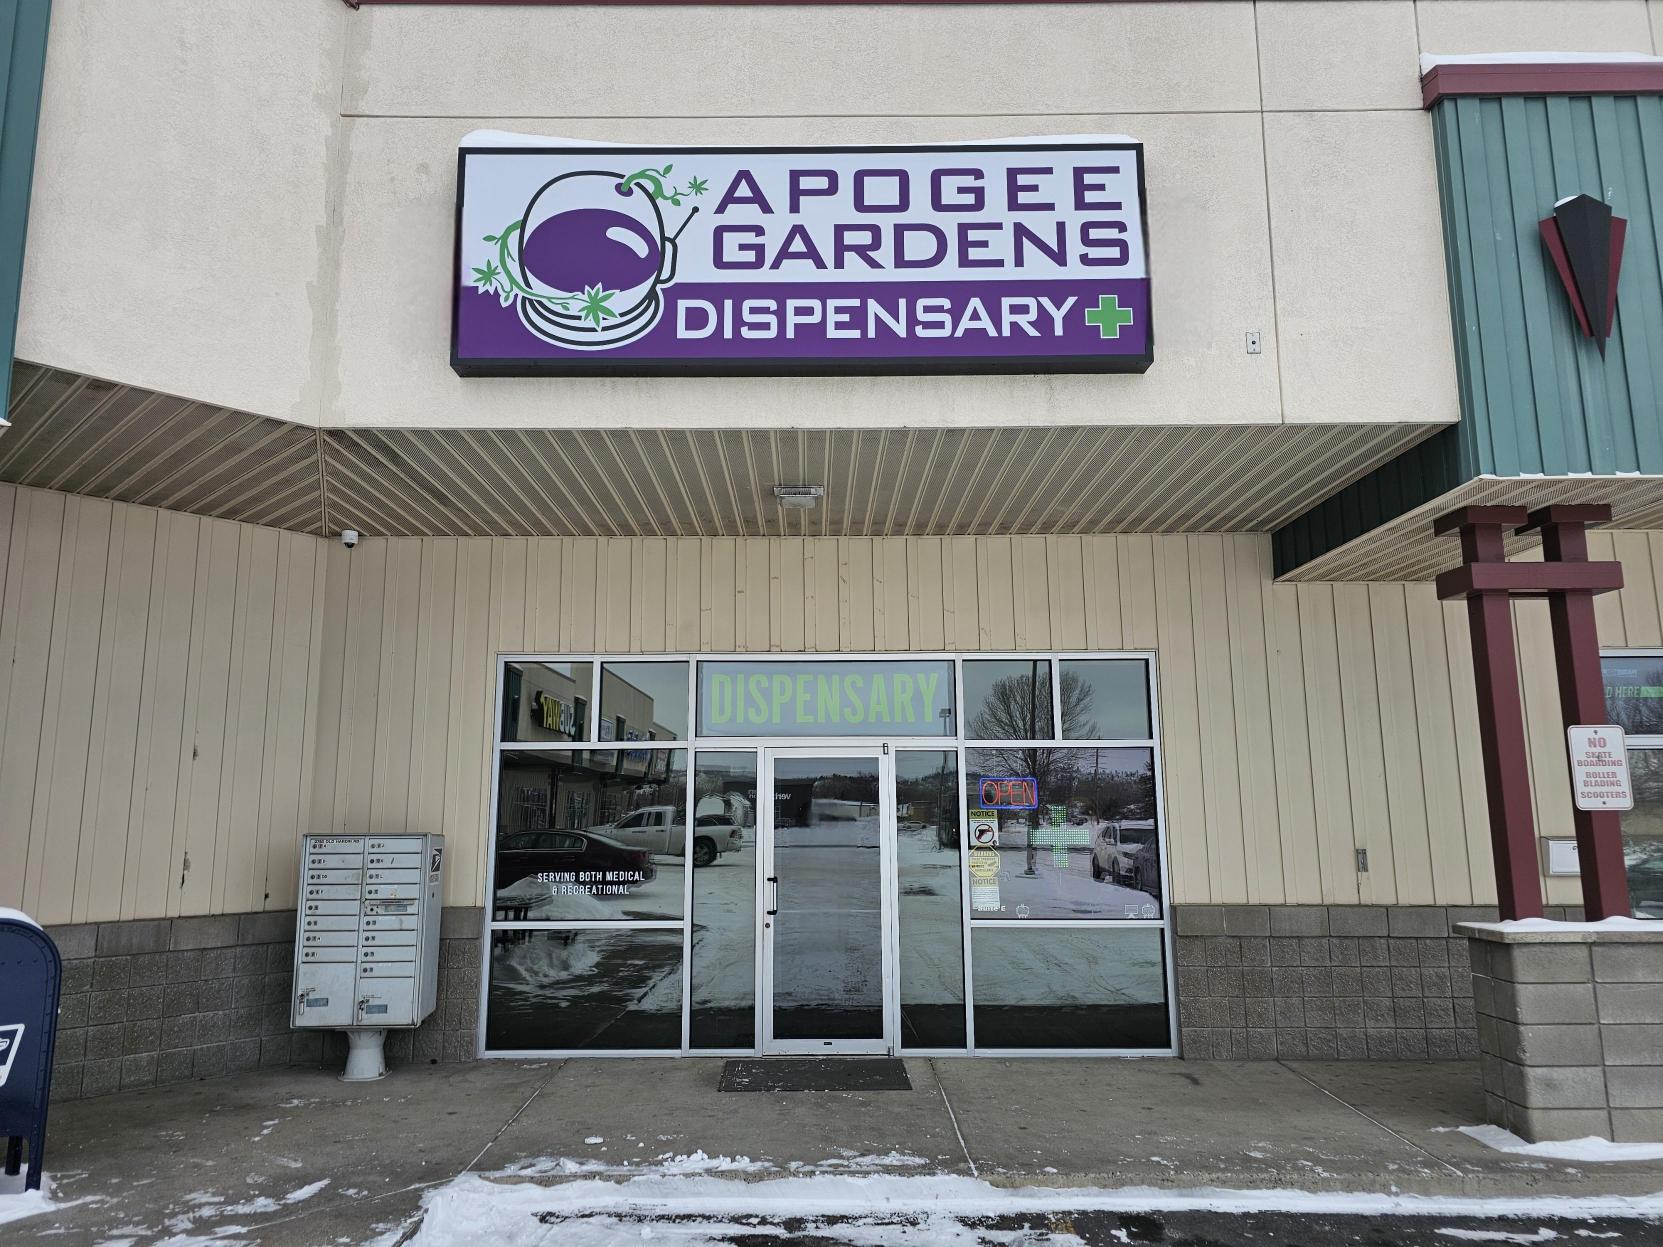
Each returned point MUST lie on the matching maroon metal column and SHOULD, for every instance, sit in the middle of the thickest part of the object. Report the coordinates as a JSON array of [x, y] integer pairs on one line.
[[1500, 713], [1599, 833]]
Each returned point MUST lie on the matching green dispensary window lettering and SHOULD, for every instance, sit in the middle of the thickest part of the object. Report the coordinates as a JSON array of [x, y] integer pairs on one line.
[[850, 698]]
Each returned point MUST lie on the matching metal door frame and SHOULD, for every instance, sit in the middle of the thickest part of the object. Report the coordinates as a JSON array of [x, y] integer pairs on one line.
[[889, 1043]]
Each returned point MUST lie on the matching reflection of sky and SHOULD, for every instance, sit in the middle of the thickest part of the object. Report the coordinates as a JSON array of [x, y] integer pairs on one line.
[[664, 684]]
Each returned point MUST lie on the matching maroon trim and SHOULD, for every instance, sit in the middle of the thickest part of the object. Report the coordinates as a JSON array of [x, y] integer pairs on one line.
[[1619, 231], [1549, 78], [1554, 241], [1529, 579], [1569, 581], [1599, 833]]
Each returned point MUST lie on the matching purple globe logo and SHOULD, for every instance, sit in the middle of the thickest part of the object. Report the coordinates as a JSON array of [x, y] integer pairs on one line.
[[586, 261]]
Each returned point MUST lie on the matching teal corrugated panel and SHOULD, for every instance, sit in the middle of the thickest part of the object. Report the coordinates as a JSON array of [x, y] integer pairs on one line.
[[1530, 163], [1509, 186], [1607, 370], [1632, 352], [1447, 117], [1640, 288], [23, 53], [1480, 145], [1563, 340], [1602, 449]]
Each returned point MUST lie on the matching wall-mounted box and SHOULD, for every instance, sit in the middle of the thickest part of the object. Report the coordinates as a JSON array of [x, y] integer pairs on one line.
[[367, 946], [1559, 857]]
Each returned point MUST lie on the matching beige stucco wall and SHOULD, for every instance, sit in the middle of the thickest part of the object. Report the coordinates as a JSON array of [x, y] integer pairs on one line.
[[181, 698], [252, 204]]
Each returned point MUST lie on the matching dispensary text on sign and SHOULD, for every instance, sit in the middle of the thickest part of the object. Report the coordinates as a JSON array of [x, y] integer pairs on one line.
[[1017, 256]]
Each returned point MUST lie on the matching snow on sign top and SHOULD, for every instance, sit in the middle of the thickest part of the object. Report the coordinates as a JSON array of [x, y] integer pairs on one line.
[[1599, 768]]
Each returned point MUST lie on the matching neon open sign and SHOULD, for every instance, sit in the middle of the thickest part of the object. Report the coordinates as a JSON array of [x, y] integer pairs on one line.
[[1010, 793]]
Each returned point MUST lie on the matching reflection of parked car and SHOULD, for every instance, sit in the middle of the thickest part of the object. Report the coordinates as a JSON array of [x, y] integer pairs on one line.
[[1128, 853], [660, 829], [527, 853]]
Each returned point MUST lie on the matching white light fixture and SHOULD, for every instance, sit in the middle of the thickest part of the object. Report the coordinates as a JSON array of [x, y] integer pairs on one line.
[[800, 497]]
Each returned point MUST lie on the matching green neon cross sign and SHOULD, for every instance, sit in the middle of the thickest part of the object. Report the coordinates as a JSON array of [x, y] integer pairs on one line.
[[1059, 837], [1108, 316]]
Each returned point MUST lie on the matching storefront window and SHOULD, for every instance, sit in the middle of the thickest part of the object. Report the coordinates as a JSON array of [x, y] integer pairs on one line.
[[1643, 834], [643, 701], [591, 835], [1057, 987], [585, 989], [1063, 833], [690, 855], [723, 980], [1634, 692], [1634, 700], [1105, 699], [546, 702], [931, 902], [1008, 699]]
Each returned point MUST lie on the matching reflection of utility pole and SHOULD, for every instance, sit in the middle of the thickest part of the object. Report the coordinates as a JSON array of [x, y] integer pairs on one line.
[[1031, 854]]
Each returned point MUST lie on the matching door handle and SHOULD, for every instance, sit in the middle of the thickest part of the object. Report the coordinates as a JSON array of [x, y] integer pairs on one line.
[[773, 895]]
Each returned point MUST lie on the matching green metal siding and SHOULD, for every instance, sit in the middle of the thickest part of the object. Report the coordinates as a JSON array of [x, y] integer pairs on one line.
[[22, 67], [1536, 397]]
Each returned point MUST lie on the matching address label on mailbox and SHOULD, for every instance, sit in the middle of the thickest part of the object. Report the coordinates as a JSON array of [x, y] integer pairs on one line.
[[11, 1039]]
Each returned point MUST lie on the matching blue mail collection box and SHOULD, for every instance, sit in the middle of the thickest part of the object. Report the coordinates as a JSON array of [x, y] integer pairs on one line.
[[31, 976]]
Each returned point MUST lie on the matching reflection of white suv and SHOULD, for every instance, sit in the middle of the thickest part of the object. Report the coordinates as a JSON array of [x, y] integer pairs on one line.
[[661, 829], [1127, 853]]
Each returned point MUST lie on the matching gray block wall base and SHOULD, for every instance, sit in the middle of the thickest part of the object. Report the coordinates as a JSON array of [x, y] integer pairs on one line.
[[163, 1000], [1325, 982], [1570, 1029]]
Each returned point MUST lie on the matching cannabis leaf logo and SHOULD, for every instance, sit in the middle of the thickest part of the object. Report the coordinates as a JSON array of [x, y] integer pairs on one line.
[[593, 308], [485, 279], [697, 186]]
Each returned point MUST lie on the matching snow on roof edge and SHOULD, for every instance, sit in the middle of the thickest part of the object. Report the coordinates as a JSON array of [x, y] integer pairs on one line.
[[1431, 60], [512, 139]]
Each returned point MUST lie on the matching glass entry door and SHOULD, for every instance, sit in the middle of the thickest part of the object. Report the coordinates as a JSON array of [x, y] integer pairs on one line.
[[828, 840]]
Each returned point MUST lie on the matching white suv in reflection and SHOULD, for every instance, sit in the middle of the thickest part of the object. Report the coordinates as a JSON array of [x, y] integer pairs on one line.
[[1127, 852], [661, 829]]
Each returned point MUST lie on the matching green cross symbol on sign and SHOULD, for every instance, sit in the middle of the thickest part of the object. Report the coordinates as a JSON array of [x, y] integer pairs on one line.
[[1108, 316], [1059, 839]]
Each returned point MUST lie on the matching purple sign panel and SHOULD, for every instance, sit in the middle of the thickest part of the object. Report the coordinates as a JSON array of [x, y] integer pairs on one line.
[[1019, 256]]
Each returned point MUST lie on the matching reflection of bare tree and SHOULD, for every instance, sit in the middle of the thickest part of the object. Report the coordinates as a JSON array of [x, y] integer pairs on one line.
[[1019, 708]]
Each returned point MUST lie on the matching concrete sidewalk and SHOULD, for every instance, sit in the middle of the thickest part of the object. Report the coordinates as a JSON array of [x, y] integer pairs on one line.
[[200, 1157]]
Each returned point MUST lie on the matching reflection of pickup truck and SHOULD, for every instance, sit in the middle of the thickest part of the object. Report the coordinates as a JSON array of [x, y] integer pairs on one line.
[[662, 829], [1127, 853]]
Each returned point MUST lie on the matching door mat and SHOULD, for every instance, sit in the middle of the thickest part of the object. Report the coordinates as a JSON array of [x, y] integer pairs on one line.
[[884, 1073]]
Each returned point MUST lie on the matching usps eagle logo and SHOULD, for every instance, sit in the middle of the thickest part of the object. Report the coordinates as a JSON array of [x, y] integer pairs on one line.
[[11, 1039]]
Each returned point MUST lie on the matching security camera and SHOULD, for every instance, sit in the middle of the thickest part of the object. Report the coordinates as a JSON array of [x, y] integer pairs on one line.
[[349, 537]]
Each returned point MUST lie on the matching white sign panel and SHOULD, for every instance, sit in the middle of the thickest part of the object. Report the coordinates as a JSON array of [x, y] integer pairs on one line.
[[1599, 768]]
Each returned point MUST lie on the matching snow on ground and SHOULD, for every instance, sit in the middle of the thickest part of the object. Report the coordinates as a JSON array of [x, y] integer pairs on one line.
[[1592, 1149], [16, 1203], [883, 1209]]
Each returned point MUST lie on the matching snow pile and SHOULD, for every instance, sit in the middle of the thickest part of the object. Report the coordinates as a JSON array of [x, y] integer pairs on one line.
[[681, 1166], [17, 915], [1556, 924], [15, 1202], [877, 1210], [1592, 1149]]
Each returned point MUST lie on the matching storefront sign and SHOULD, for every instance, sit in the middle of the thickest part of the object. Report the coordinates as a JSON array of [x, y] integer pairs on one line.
[[1007, 793], [851, 698], [1019, 256], [1599, 768], [984, 829]]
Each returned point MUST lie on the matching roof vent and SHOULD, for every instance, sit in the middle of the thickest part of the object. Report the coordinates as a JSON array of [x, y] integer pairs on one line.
[[800, 497]]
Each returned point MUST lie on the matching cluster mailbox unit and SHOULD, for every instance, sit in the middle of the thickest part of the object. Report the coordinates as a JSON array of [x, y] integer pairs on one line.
[[368, 954]]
